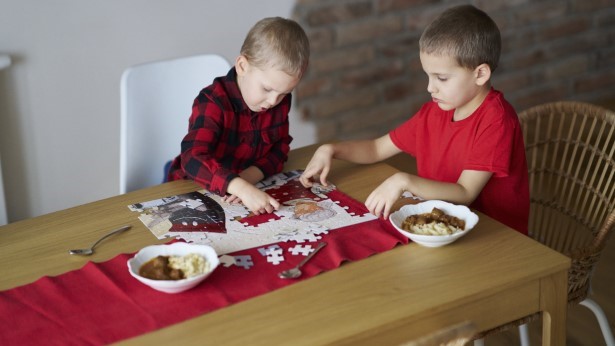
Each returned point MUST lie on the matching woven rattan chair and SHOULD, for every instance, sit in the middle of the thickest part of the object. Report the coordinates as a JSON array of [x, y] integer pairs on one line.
[[455, 335], [570, 148]]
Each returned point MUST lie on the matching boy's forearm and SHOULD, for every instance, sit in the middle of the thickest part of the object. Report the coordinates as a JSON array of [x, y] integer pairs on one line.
[[353, 151], [252, 175], [238, 185], [364, 151], [432, 189]]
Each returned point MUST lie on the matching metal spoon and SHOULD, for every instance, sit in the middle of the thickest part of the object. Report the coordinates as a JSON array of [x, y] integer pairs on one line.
[[87, 252], [294, 273]]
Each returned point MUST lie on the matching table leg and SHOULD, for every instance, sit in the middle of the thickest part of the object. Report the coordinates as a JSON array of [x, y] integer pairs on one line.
[[553, 303]]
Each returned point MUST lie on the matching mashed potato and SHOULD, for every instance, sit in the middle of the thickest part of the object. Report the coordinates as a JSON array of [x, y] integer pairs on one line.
[[190, 264]]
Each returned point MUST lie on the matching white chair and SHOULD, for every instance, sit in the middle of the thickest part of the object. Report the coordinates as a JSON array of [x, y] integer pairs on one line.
[[156, 102], [5, 61]]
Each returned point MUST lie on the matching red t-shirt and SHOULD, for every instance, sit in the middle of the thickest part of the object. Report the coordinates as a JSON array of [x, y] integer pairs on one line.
[[488, 140]]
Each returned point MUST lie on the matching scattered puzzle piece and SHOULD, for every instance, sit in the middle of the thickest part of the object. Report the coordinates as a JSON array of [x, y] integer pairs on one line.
[[306, 237], [275, 257], [268, 249], [273, 253], [244, 261], [227, 260], [301, 249]]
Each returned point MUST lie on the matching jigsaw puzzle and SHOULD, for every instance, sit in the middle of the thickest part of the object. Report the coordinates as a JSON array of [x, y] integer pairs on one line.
[[202, 217]]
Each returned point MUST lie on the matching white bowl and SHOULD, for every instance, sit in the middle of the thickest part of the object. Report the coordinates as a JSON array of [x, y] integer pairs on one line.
[[460, 211], [175, 249]]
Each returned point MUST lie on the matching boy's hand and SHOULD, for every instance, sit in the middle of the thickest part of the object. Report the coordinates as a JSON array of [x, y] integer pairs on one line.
[[381, 200], [231, 199], [258, 202], [319, 165]]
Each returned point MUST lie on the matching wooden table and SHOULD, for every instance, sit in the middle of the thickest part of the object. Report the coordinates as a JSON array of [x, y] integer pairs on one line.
[[490, 276]]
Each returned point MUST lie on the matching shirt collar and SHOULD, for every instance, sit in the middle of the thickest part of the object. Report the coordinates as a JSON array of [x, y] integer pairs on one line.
[[230, 84]]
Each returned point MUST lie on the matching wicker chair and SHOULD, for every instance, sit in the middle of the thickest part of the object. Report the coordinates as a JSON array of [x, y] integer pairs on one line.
[[570, 149], [455, 335]]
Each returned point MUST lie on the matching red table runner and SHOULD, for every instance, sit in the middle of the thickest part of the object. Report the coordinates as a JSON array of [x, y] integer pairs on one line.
[[101, 303]]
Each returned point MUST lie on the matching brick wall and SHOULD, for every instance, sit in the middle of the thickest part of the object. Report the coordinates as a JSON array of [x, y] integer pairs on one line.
[[365, 76]]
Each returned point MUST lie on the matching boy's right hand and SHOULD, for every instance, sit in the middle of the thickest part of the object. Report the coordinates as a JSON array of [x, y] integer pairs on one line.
[[319, 165], [257, 201]]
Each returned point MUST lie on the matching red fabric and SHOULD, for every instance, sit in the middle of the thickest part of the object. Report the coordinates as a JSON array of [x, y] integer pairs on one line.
[[101, 303], [489, 140]]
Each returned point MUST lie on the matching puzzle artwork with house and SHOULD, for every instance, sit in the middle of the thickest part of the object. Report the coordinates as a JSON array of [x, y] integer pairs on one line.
[[304, 216]]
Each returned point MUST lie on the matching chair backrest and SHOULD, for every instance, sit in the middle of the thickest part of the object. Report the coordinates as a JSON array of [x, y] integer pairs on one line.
[[5, 61], [570, 149], [156, 102]]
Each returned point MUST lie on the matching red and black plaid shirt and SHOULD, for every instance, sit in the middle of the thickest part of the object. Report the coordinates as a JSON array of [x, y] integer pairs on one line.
[[225, 137]]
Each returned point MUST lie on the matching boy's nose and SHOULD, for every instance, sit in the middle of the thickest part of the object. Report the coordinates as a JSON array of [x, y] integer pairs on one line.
[[272, 100], [430, 88]]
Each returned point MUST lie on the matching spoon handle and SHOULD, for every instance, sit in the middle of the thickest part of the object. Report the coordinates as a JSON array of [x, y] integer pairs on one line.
[[320, 246], [121, 229]]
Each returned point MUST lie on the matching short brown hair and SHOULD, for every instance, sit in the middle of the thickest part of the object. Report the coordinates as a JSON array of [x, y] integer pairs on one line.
[[466, 33], [277, 42]]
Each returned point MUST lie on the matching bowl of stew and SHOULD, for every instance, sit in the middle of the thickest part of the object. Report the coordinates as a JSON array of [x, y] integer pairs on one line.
[[173, 268]]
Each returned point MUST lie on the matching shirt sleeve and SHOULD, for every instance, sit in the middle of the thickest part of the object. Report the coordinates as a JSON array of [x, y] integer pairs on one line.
[[198, 145], [493, 147]]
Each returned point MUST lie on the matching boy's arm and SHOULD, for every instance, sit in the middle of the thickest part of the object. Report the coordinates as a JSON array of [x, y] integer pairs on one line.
[[252, 175], [464, 191], [203, 135], [364, 152]]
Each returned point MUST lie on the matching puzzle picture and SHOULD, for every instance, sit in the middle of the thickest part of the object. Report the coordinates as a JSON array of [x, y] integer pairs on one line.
[[202, 217]]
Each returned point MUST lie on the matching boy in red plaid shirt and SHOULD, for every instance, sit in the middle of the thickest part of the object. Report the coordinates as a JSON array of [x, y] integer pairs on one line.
[[238, 130]]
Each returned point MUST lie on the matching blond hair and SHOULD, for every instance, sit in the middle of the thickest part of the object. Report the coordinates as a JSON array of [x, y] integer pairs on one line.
[[277, 43], [467, 34]]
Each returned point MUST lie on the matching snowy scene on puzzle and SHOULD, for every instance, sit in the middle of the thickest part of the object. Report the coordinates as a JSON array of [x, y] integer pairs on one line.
[[202, 217]]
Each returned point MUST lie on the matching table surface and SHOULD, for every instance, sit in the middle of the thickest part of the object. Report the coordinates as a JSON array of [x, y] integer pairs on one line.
[[490, 276]]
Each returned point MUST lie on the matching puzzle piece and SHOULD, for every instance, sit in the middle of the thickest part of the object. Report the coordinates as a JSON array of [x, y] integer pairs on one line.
[[227, 260], [273, 253], [321, 190], [192, 203], [301, 249], [303, 237], [244, 261], [275, 256], [268, 249]]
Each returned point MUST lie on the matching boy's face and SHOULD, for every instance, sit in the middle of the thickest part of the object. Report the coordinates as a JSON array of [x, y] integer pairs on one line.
[[263, 89], [452, 86]]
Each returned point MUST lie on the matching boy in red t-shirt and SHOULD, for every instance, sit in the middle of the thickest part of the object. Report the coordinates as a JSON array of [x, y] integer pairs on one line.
[[467, 141]]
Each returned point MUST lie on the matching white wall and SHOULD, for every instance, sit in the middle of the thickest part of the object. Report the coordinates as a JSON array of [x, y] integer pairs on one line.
[[59, 101]]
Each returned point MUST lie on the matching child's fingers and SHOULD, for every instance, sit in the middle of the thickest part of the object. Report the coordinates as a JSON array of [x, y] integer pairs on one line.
[[305, 180], [323, 176], [274, 204]]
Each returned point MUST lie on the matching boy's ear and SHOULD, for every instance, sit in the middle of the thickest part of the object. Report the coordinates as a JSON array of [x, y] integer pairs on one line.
[[241, 65], [483, 74]]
